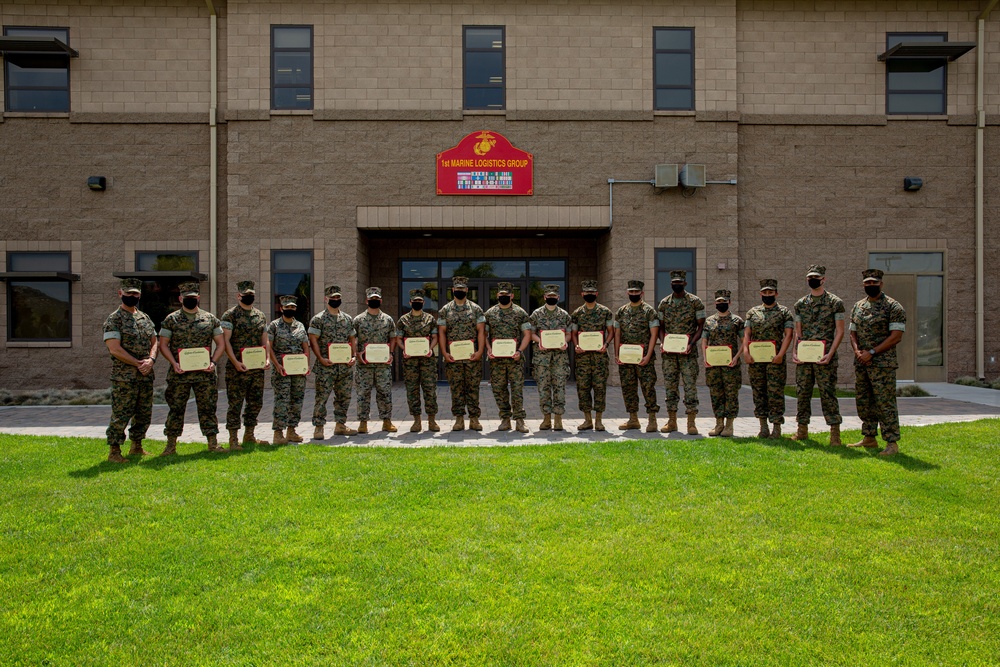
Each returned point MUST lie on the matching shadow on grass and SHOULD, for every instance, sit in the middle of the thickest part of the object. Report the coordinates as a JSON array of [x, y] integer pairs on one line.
[[157, 462], [848, 453]]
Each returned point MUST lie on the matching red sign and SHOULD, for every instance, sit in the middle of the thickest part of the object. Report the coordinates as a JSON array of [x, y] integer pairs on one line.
[[485, 163]]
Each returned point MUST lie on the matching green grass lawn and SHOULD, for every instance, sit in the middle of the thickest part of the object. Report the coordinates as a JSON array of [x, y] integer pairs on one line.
[[714, 552]]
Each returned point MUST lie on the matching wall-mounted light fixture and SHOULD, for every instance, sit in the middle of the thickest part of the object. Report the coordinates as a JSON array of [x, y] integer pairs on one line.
[[97, 183], [912, 183]]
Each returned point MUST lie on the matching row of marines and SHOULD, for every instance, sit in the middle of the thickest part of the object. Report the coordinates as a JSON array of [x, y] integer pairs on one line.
[[877, 323]]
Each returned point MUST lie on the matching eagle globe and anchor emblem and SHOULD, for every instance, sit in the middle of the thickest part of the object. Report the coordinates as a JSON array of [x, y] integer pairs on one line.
[[486, 142]]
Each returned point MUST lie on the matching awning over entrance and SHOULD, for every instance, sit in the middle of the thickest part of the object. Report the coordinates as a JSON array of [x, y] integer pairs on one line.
[[483, 218]]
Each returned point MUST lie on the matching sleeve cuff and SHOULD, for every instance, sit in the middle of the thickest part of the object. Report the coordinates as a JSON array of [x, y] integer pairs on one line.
[[526, 326], [838, 317], [480, 319], [217, 331], [442, 322], [108, 335], [699, 315], [897, 326], [314, 331], [851, 327], [227, 325], [166, 333]]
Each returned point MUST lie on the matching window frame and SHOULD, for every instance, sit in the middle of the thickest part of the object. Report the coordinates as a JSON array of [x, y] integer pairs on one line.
[[312, 67], [6, 69], [690, 52], [29, 276], [303, 314], [503, 64], [901, 37]]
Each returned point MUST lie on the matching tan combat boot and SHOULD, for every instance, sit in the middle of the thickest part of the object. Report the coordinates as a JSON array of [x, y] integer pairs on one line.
[[250, 438], [802, 432], [115, 455], [727, 432], [598, 423], [213, 444], [291, 435], [671, 424], [432, 424], [765, 430], [459, 424], [171, 447], [633, 422], [692, 423], [720, 425], [341, 429], [234, 439], [417, 425], [504, 424], [775, 432], [279, 437], [318, 433], [557, 423], [587, 423], [363, 426], [474, 424], [835, 436], [546, 422], [891, 449], [519, 425], [137, 449], [651, 426], [389, 427], [868, 442]]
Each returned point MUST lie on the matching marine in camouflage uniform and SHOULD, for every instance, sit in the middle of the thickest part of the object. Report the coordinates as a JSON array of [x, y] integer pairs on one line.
[[638, 325], [131, 339], [724, 328], [769, 322], [592, 366], [551, 366], [508, 321], [374, 327], [287, 336], [463, 321], [874, 323], [326, 327], [243, 326], [681, 313], [191, 327], [419, 373], [819, 315]]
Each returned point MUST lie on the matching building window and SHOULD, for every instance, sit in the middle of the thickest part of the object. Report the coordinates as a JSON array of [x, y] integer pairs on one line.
[[673, 68], [674, 259], [291, 67], [39, 301], [916, 85], [484, 64], [37, 81], [292, 273], [160, 290]]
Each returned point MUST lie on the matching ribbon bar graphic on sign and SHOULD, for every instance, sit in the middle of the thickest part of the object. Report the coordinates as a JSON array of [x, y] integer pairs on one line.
[[485, 163]]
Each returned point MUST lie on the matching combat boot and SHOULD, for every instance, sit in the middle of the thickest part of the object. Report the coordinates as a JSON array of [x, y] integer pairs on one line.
[[171, 447], [891, 449], [671, 424], [835, 436], [137, 449], [765, 431], [341, 429], [432, 424], [363, 426], [474, 424], [546, 422], [868, 442], [504, 424], [388, 426], [213, 444], [651, 426], [250, 438], [776, 432], [802, 432], [521, 428], [598, 424], [633, 422], [318, 433], [291, 435], [557, 423], [692, 423], [115, 455], [727, 432], [720, 425], [416, 425], [234, 441], [279, 438], [587, 423], [459, 424]]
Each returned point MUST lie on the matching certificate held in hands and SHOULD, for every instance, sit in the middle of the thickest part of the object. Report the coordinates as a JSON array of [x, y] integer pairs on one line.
[[762, 351], [591, 341], [811, 351], [504, 347], [253, 358], [377, 353], [462, 350], [553, 339], [295, 364], [630, 354], [194, 358], [718, 355], [675, 343], [418, 346], [339, 353]]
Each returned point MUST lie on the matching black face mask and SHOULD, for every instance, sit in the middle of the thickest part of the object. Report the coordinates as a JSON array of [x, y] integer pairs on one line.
[[635, 298], [768, 300], [190, 302], [459, 295], [290, 313], [374, 303], [130, 301], [552, 300], [504, 299], [677, 288], [873, 290], [417, 305], [247, 299], [334, 303], [722, 307], [590, 298], [814, 283]]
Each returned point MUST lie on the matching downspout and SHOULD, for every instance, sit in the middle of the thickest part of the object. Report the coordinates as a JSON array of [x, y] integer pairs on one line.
[[213, 178], [980, 141]]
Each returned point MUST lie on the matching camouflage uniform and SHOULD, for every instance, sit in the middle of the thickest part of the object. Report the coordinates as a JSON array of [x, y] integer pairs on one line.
[[768, 379], [551, 367], [289, 390], [818, 316], [507, 375], [373, 329], [724, 382], [131, 391], [463, 376], [247, 328], [875, 383], [592, 367], [635, 322], [680, 315], [419, 373], [184, 330], [336, 379]]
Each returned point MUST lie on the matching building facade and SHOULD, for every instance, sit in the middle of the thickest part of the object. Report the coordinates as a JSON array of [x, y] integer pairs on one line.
[[296, 144]]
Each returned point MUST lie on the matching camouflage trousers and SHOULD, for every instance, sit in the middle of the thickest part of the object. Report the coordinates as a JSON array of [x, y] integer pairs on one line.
[[337, 380], [464, 378], [592, 376], [289, 392], [875, 393], [768, 384], [633, 376], [678, 368], [551, 376], [379, 378], [206, 398], [824, 377], [243, 388], [724, 386], [420, 374], [507, 380], [131, 400]]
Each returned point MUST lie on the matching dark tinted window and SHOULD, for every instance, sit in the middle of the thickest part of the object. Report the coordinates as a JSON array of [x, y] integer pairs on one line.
[[37, 81], [39, 308], [484, 66], [291, 67], [916, 85], [673, 68]]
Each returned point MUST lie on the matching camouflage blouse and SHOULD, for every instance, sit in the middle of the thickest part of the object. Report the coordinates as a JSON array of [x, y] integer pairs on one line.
[[543, 318], [460, 321], [636, 322], [416, 325], [680, 315], [286, 338], [818, 316], [184, 330], [373, 329], [720, 330], [247, 326], [765, 323], [329, 328], [507, 322], [136, 333], [873, 321]]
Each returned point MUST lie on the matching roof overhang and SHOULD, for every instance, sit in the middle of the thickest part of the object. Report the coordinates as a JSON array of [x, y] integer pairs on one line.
[[39, 275], [156, 275], [949, 51], [28, 45]]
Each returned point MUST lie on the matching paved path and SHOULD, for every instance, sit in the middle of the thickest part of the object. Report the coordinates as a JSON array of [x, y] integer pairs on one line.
[[952, 403]]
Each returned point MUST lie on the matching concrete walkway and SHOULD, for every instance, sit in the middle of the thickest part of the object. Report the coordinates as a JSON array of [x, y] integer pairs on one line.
[[951, 403]]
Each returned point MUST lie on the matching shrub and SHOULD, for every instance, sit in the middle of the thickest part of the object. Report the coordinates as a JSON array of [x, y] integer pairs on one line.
[[911, 391]]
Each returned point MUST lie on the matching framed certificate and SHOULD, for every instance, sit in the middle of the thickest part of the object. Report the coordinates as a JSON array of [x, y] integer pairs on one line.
[[462, 349], [254, 358], [377, 353], [718, 355], [504, 347], [339, 353], [630, 354], [591, 341], [811, 351], [194, 358], [295, 364], [552, 339], [418, 346], [675, 343], [763, 351]]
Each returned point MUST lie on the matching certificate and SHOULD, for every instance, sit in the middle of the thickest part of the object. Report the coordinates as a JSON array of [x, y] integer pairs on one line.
[[418, 346], [377, 353], [811, 351], [253, 358], [762, 351], [504, 347], [591, 341], [462, 350], [194, 358], [339, 353], [675, 343], [718, 355], [295, 364], [553, 339], [630, 354]]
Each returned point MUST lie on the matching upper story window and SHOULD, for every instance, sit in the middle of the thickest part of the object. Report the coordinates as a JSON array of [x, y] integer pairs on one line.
[[291, 67], [484, 64], [36, 69], [39, 296], [673, 69], [916, 85]]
